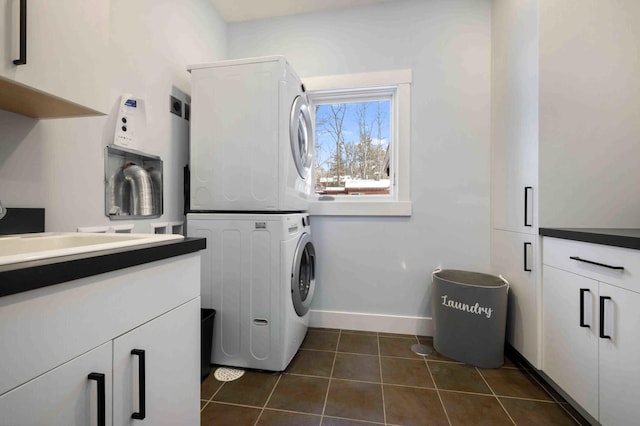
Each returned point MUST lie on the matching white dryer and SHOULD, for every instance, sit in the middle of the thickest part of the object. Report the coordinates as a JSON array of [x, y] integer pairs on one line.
[[258, 273], [251, 137]]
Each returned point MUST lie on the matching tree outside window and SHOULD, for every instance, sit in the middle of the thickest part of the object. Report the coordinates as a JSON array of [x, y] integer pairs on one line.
[[352, 143]]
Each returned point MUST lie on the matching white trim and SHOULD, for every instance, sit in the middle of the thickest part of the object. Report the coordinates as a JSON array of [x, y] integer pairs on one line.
[[421, 326], [360, 208], [350, 81]]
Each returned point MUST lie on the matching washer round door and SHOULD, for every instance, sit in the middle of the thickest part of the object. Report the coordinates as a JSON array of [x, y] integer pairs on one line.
[[300, 133], [303, 275]]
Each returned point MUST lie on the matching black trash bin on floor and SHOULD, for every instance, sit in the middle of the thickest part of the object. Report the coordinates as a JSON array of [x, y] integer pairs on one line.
[[206, 341], [470, 316]]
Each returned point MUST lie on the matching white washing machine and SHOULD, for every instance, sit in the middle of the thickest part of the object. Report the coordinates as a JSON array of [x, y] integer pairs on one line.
[[251, 137], [258, 273]]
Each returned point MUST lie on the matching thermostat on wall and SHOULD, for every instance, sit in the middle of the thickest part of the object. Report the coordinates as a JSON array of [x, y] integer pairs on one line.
[[131, 120]]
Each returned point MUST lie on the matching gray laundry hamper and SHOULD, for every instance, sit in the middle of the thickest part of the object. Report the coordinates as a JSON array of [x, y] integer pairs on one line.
[[469, 315]]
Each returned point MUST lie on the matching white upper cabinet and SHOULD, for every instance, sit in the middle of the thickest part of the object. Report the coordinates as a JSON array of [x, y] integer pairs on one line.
[[66, 70], [514, 116]]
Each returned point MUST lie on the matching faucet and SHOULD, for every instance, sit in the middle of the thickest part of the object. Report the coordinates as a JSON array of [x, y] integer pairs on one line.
[[3, 211]]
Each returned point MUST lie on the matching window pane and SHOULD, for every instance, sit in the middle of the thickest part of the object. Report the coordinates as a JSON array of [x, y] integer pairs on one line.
[[352, 144]]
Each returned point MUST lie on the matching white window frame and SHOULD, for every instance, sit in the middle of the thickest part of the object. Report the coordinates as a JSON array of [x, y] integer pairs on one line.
[[362, 87]]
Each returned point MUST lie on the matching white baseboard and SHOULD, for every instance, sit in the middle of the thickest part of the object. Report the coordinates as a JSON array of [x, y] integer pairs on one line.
[[420, 326]]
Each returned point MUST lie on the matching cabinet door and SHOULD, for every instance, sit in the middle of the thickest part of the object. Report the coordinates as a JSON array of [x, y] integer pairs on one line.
[[171, 345], [514, 256], [570, 351], [67, 49], [514, 115], [619, 366], [63, 396]]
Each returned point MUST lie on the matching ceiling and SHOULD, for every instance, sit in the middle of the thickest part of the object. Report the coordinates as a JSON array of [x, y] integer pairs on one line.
[[246, 10]]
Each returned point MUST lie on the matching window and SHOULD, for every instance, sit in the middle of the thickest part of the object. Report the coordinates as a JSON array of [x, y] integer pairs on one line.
[[352, 143], [361, 143]]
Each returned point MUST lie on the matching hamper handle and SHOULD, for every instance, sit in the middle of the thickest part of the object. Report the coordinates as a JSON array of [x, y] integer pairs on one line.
[[505, 281]]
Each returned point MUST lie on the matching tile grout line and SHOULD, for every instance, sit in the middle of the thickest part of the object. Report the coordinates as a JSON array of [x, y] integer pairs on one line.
[[495, 396], [367, 422], [384, 408], [208, 401], [217, 390], [326, 395], [268, 398], [435, 386]]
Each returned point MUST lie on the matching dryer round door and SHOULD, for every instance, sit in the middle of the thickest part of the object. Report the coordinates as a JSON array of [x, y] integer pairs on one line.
[[303, 276], [300, 133]]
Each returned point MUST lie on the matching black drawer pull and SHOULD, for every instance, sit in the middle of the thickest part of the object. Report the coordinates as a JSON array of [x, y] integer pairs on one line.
[[618, 268], [22, 60], [526, 205], [99, 377], [526, 264], [582, 292], [602, 300], [141, 414]]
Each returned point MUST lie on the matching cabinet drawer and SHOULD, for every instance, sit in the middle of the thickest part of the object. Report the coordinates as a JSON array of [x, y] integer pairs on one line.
[[575, 256]]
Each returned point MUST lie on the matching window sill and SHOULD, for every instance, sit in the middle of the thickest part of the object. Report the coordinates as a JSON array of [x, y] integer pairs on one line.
[[360, 208]]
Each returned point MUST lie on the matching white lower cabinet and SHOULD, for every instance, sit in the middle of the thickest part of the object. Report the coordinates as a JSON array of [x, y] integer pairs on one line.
[[169, 346], [136, 330], [570, 351], [619, 367], [590, 329], [64, 395]]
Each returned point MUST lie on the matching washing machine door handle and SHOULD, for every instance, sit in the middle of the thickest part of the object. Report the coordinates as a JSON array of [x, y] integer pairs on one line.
[[303, 279], [301, 136]]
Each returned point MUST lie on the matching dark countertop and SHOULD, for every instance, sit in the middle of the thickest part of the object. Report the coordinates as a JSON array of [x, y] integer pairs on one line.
[[24, 276], [627, 238]]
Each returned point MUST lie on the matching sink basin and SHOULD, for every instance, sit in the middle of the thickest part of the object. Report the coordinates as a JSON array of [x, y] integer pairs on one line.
[[27, 247]]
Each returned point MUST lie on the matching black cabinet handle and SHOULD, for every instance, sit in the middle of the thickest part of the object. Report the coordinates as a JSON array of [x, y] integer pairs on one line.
[[602, 300], [582, 292], [526, 205], [99, 377], [23, 34], [619, 268], [140, 415], [186, 189], [526, 264]]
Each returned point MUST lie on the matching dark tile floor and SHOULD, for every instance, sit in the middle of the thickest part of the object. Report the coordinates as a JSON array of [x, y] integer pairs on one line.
[[342, 378]]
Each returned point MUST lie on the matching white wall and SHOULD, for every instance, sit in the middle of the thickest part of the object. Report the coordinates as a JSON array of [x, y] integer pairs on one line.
[[377, 265], [381, 265], [58, 164]]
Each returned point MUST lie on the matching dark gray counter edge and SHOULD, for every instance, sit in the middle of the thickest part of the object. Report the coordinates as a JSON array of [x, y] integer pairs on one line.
[[42, 274], [599, 236]]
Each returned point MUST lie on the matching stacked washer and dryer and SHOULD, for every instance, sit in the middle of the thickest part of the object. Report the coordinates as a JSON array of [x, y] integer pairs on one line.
[[251, 157]]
